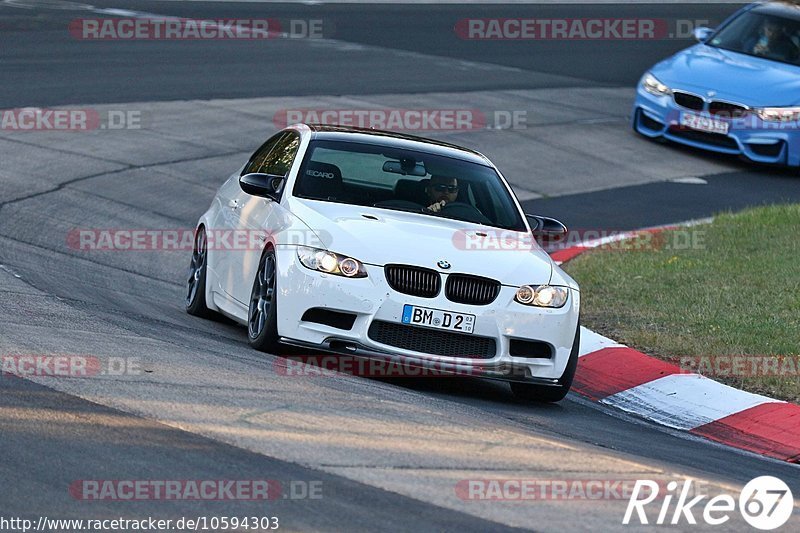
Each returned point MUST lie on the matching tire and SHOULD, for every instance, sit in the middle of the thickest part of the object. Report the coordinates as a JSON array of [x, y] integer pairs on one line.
[[196, 295], [531, 393], [262, 315]]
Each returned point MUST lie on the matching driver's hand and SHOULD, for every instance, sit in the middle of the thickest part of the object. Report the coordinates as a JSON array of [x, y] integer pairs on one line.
[[436, 207]]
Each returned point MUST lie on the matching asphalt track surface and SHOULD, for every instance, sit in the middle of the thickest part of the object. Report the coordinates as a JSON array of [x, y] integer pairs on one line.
[[207, 407], [44, 65]]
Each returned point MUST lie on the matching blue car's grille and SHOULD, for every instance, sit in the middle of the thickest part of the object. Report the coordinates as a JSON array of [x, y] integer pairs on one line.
[[713, 139], [689, 101], [715, 107], [727, 109]]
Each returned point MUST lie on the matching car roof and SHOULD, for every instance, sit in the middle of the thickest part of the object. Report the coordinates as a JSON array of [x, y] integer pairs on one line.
[[329, 132], [784, 8]]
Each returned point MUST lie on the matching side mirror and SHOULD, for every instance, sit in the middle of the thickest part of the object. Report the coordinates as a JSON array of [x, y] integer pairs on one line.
[[265, 185], [701, 33], [546, 226]]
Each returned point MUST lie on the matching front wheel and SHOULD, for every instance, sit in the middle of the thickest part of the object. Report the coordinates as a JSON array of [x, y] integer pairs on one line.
[[530, 393], [196, 295], [262, 316]]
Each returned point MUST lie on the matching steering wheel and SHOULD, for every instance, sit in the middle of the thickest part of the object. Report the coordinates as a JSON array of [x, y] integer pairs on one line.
[[404, 205], [464, 211]]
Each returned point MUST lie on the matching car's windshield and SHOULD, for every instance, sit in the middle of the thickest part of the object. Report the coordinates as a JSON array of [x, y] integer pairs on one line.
[[761, 34], [406, 180]]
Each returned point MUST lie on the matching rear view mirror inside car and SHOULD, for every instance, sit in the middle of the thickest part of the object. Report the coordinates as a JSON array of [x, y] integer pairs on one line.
[[406, 167]]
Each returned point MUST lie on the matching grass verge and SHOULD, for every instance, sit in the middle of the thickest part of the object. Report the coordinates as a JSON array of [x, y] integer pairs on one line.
[[722, 299]]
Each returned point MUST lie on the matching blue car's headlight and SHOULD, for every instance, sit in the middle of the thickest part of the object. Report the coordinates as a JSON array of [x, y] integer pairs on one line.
[[331, 263], [542, 295], [651, 84], [778, 114]]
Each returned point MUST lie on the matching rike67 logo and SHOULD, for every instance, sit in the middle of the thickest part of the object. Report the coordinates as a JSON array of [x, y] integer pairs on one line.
[[766, 503]]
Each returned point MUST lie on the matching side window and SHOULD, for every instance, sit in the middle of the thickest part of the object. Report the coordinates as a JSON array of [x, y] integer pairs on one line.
[[280, 158], [260, 155]]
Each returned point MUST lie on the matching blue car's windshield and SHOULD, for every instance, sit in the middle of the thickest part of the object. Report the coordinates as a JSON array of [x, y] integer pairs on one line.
[[762, 35]]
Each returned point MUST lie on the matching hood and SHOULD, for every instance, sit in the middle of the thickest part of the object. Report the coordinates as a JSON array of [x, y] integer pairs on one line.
[[745, 79], [381, 236]]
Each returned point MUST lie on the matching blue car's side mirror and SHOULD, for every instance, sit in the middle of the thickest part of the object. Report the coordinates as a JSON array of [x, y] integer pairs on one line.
[[701, 33]]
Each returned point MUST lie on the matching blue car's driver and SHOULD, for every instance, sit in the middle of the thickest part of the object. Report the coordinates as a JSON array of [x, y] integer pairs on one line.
[[773, 42]]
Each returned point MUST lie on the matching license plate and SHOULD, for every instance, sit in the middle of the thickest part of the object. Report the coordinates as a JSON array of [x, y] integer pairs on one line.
[[436, 318], [701, 123]]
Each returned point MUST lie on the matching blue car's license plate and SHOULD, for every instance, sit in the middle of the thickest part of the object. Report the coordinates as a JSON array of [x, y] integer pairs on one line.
[[701, 123]]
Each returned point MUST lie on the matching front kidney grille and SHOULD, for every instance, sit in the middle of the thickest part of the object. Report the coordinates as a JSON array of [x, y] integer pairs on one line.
[[727, 109], [431, 341], [473, 290], [412, 280], [689, 101]]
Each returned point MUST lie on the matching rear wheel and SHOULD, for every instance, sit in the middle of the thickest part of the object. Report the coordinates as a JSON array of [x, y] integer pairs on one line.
[[196, 295], [532, 393], [262, 316]]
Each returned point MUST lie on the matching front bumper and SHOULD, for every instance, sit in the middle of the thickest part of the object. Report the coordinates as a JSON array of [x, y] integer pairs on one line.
[[413, 366], [761, 142], [372, 299]]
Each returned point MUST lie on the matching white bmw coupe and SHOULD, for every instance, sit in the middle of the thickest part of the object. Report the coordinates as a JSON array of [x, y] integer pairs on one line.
[[387, 246]]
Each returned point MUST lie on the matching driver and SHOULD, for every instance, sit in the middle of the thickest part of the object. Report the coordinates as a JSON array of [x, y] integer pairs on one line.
[[773, 42], [441, 191]]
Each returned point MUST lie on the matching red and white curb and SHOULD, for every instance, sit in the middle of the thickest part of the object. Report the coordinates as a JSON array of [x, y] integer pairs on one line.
[[565, 254], [621, 377]]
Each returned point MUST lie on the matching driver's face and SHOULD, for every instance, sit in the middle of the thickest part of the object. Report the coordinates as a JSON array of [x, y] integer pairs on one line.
[[446, 190], [770, 29]]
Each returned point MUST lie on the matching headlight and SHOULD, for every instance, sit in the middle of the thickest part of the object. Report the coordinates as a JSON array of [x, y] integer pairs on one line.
[[651, 84], [542, 296], [779, 114], [331, 263]]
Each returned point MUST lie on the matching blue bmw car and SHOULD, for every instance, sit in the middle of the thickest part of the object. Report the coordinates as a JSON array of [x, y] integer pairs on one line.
[[736, 92]]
